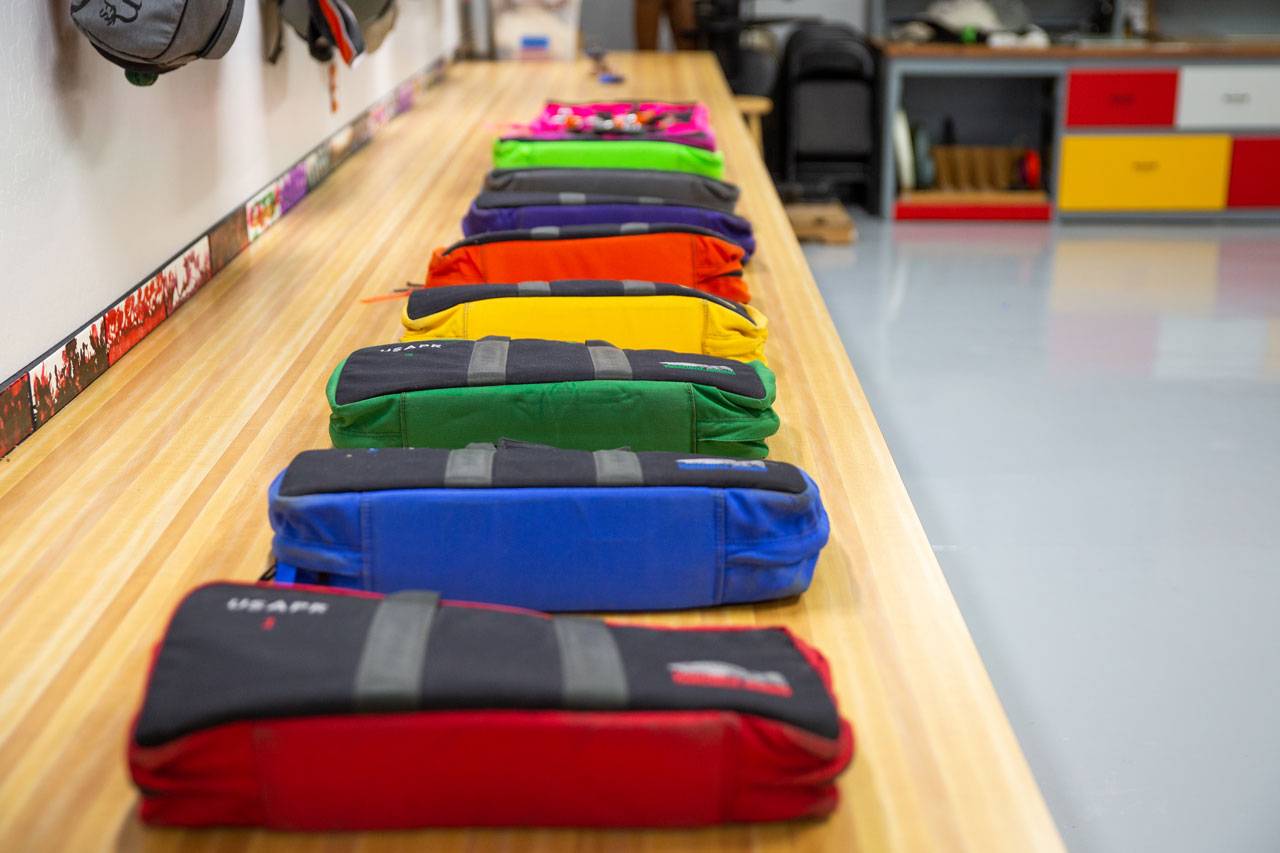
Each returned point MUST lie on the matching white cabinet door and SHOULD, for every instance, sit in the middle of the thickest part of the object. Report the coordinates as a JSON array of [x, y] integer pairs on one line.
[[1229, 96]]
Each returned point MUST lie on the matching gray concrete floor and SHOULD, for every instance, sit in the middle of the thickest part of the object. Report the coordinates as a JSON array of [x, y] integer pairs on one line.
[[1088, 421]]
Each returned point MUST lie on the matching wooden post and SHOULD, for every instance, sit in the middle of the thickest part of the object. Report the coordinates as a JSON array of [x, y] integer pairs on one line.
[[753, 109]]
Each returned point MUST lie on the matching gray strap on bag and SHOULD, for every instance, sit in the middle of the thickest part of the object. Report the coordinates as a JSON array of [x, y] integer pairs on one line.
[[545, 232], [488, 365], [617, 468], [632, 287], [389, 675], [573, 198], [609, 362], [633, 228], [591, 671], [470, 466], [528, 288]]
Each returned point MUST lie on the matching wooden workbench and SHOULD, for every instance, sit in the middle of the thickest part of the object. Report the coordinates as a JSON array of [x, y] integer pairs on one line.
[[154, 480]]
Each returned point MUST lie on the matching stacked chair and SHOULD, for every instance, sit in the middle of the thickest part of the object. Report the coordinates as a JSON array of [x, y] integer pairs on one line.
[[574, 420]]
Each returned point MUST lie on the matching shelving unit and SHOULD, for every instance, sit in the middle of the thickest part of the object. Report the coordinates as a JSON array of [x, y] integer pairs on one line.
[[966, 69], [1183, 138], [1166, 130]]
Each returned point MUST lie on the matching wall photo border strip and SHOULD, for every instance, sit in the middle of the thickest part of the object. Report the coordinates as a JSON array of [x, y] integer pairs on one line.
[[32, 396]]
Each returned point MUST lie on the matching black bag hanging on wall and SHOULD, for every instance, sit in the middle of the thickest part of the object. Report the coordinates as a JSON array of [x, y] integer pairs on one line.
[[351, 27], [148, 38]]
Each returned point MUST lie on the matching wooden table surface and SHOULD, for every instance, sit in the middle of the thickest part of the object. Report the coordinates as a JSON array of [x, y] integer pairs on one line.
[[154, 479]]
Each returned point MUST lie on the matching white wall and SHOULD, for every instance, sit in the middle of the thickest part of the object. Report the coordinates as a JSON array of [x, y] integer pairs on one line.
[[846, 11], [609, 22], [101, 182]]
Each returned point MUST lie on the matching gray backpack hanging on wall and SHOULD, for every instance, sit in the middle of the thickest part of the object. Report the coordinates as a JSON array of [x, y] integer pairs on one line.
[[148, 38], [348, 27]]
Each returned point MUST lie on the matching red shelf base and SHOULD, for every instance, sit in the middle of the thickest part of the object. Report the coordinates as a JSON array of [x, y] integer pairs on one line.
[[1035, 212]]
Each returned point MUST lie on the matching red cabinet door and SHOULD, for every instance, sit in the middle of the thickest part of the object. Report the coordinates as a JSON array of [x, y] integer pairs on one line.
[[1097, 98], [1255, 173]]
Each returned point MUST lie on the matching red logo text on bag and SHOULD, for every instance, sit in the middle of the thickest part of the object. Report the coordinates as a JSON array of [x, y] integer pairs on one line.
[[714, 673]]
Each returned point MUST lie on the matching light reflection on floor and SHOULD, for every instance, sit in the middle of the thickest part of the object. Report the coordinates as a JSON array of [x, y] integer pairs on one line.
[[1088, 421]]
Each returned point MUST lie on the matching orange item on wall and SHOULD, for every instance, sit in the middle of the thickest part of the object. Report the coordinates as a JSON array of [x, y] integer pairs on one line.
[[696, 260]]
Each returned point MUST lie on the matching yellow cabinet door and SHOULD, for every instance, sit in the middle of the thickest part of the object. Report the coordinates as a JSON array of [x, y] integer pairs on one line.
[[1186, 172]]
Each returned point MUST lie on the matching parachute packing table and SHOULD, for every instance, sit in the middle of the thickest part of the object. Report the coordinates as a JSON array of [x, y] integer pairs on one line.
[[154, 479]]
